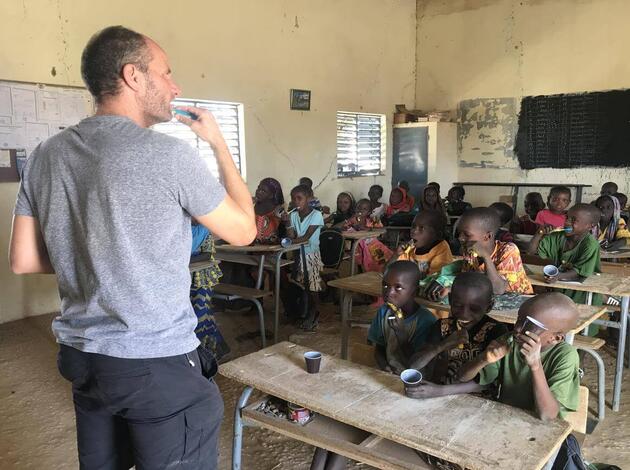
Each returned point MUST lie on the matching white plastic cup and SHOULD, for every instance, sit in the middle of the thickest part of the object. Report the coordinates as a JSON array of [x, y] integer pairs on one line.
[[551, 271]]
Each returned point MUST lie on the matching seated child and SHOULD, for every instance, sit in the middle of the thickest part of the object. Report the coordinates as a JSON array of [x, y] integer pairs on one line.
[[304, 224], [455, 201], [501, 261], [623, 202], [558, 202], [398, 202], [431, 200], [611, 231], [401, 326], [372, 254], [573, 250], [535, 368], [459, 338], [526, 223], [506, 214], [427, 249], [378, 208], [268, 208], [405, 185], [345, 210], [608, 188]]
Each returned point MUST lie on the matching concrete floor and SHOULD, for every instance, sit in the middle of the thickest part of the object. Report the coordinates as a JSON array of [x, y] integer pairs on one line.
[[37, 419]]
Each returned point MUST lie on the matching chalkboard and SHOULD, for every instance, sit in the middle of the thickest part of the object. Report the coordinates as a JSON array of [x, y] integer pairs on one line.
[[574, 130]]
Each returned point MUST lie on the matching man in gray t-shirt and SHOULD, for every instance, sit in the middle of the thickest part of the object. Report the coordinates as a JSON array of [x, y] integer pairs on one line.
[[106, 205]]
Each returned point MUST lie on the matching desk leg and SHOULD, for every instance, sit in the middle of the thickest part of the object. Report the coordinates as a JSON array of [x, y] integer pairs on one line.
[[515, 198], [345, 304], [276, 300], [621, 352], [237, 443], [578, 194], [353, 252], [261, 272]]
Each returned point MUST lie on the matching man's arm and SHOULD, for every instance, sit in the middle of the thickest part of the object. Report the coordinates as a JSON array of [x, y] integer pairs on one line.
[[27, 250], [233, 220]]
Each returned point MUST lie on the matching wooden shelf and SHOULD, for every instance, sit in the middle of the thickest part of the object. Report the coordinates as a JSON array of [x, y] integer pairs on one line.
[[340, 438]]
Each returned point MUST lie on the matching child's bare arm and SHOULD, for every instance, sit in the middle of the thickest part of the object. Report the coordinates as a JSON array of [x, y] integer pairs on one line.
[[499, 285], [304, 238], [428, 352], [570, 275], [494, 352], [546, 404], [429, 390]]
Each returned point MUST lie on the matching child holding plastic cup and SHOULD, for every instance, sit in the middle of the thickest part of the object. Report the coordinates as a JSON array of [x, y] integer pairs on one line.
[[401, 326], [574, 250], [455, 340]]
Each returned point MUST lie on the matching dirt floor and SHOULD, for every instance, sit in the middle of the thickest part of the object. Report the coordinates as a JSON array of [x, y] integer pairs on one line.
[[37, 419]]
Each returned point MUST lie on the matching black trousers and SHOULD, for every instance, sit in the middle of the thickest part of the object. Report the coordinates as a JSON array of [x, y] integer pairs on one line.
[[152, 413]]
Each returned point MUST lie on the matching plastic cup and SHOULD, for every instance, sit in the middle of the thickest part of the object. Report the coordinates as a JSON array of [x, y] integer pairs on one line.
[[533, 326], [411, 378], [313, 361], [551, 271]]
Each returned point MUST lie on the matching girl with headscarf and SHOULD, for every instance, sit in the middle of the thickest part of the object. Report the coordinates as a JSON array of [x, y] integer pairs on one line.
[[345, 209], [399, 201], [611, 231], [268, 208]]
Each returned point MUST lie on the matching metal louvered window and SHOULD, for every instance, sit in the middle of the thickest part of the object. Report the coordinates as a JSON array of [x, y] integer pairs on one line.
[[360, 144], [229, 117]]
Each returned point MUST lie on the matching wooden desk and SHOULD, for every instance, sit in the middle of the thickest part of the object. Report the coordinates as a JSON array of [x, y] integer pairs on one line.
[[248, 254], [470, 431], [615, 254], [370, 284], [606, 284], [356, 237], [398, 230], [516, 186]]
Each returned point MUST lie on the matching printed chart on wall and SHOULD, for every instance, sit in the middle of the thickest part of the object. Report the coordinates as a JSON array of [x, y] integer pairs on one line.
[[30, 113]]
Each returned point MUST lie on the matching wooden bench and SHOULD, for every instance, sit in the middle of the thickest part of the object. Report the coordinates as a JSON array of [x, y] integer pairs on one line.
[[577, 419], [590, 345], [232, 292]]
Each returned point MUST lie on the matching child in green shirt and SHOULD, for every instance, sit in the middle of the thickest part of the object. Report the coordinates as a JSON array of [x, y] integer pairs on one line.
[[535, 368], [574, 250]]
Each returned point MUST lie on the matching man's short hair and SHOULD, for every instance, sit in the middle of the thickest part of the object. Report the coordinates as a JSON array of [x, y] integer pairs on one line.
[[505, 211], [105, 55], [486, 217]]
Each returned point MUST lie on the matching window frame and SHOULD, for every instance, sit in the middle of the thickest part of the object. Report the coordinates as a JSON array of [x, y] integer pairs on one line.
[[240, 117], [383, 144]]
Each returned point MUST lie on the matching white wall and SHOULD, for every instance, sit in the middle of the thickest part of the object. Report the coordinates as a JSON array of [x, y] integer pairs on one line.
[[355, 55], [470, 50]]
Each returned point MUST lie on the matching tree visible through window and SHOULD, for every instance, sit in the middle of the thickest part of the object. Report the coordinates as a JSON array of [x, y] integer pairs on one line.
[[229, 117], [360, 144]]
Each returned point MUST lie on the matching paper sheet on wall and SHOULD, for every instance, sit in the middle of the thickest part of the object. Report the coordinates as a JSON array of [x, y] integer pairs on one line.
[[74, 106], [5, 159], [24, 105], [48, 106], [35, 134], [5, 121], [12, 137], [5, 101]]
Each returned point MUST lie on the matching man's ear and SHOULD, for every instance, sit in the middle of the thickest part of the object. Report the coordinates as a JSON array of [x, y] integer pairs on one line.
[[132, 77]]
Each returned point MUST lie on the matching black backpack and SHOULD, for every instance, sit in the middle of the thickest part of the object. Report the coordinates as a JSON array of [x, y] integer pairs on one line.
[[331, 248]]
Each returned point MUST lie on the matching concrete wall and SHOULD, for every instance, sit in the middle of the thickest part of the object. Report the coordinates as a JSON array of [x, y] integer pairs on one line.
[[481, 56], [355, 55]]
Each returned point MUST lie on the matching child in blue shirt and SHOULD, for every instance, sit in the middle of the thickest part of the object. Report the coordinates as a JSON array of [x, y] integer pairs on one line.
[[304, 225], [401, 326]]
